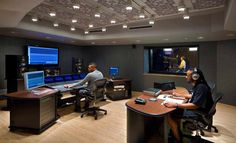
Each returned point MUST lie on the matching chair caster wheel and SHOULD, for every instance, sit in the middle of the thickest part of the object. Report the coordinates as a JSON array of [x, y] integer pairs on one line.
[[105, 113], [95, 117]]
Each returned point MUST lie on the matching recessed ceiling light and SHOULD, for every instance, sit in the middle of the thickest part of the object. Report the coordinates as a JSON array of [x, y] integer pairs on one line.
[[113, 21], [74, 20], [76, 6], [193, 49], [90, 25], [129, 8], [34, 19], [167, 49], [104, 29], [141, 15], [86, 32], [151, 22], [72, 41], [166, 39], [97, 15], [186, 17], [125, 26], [113, 42], [72, 28], [13, 32], [92, 43], [52, 14], [181, 9], [48, 37], [200, 37], [137, 41], [185, 38], [55, 24]]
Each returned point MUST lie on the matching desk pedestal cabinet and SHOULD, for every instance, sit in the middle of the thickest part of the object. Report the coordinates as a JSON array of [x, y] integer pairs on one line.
[[145, 129], [119, 89], [33, 113]]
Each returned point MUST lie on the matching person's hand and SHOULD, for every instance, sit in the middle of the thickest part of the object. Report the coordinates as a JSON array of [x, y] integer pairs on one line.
[[170, 105], [68, 85]]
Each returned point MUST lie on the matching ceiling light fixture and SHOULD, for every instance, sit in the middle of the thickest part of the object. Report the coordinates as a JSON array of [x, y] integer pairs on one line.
[[104, 29], [76, 6], [97, 13], [52, 14], [86, 32], [186, 15], [167, 49], [55, 24], [34, 19], [113, 21], [181, 6], [74, 20], [200, 37], [129, 5], [125, 26], [152, 21], [142, 15], [72, 28], [90, 25], [193, 49]]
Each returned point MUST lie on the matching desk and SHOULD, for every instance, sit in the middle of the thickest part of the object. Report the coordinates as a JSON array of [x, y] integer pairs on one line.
[[147, 123], [31, 112]]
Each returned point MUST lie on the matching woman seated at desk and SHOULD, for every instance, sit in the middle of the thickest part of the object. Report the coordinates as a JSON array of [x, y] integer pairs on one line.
[[199, 100]]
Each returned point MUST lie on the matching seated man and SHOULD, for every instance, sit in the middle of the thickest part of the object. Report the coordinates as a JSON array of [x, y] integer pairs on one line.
[[199, 100], [90, 78]]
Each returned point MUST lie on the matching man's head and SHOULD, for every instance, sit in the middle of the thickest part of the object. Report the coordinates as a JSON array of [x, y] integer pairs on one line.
[[182, 58], [92, 67]]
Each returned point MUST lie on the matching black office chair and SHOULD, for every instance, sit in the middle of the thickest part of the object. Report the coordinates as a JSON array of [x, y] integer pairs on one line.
[[96, 95], [205, 120]]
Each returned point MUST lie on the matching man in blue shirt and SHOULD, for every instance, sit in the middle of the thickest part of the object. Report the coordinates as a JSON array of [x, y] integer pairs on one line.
[[200, 100], [90, 79]]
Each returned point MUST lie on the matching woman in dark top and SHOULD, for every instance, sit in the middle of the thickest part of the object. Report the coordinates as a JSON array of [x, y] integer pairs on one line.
[[199, 100]]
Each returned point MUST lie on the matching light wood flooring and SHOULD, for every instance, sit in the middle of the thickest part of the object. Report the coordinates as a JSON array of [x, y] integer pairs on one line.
[[111, 128]]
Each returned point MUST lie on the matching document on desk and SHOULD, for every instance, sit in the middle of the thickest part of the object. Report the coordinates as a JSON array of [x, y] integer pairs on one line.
[[171, 98]]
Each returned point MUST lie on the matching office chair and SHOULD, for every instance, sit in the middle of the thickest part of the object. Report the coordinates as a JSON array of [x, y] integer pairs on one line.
[[205, 122], [96, 95]]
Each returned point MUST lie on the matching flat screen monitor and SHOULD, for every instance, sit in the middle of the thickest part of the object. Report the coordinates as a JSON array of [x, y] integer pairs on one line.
[[42, 56], [58, 78], [49, 79], [68, 77], [113, 71], [33, 79], [75, 77]]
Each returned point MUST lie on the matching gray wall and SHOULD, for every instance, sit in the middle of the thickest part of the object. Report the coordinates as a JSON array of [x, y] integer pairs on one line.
[[216, 60], [226, 69]]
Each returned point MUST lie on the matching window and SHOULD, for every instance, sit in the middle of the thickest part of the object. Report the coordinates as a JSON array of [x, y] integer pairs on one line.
[[172, 59]]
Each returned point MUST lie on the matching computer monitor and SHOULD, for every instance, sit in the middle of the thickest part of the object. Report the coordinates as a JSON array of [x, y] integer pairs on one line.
[[33, 79], [113, 72]]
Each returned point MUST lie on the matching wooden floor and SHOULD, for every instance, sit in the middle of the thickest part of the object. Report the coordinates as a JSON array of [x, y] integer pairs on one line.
[[111, 128]]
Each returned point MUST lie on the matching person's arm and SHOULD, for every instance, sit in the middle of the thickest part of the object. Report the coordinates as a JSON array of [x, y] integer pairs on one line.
[[185, 95], [183, 106], [86, 79]]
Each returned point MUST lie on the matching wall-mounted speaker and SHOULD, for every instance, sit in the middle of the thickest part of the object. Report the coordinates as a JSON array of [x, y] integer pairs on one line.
[[15, 66], [51, 71], [77, 65]]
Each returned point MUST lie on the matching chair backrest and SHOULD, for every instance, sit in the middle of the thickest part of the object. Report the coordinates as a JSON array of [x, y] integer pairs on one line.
[[216, 99], [100, 88]]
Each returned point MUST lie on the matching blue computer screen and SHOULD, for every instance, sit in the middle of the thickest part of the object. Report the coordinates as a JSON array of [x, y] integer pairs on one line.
[[49, 79], [33, 79], [75, 77], [113, 71], [58, 78], [42, 56], [68, 77]]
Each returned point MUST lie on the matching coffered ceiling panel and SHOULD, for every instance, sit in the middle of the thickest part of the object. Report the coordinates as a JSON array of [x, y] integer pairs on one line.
[[202, 4]]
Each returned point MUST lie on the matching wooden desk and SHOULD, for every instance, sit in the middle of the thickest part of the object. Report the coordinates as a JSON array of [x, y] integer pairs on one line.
[[31, 112], [147, 123]]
